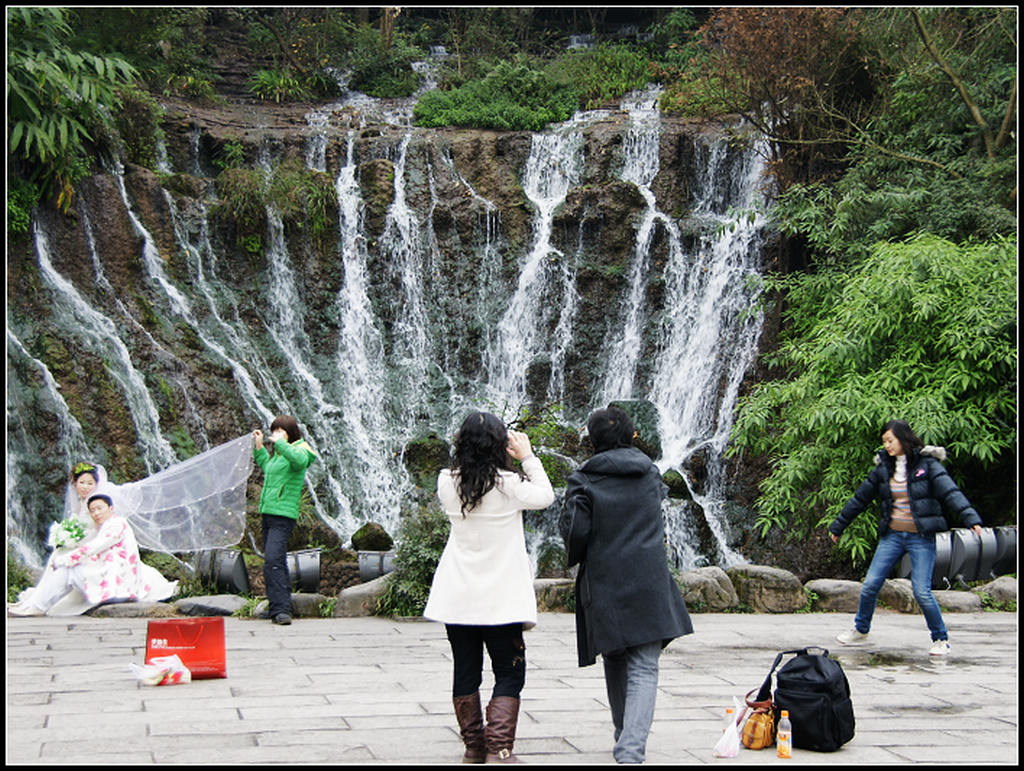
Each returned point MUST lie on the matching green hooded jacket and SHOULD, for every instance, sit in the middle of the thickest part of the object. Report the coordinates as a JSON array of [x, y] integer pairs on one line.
[[283, 476]]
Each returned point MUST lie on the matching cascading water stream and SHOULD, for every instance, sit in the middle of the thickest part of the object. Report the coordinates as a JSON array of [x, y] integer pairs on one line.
[[360, 370], [554, 166], [710, 337], [641, 163], [98, 334]]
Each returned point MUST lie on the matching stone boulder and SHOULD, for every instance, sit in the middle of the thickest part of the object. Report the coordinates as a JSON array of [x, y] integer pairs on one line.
[[766, 589], [555, 594], [1002, 590], [896, 593], [210, 605], [360, 600], [834, 595], [958, 602], [707, 590], [303, 605], [144, 609]]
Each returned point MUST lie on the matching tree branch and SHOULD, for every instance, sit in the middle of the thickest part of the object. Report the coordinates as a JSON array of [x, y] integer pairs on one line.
[[281, 44], [1011, 111], [986, 132]]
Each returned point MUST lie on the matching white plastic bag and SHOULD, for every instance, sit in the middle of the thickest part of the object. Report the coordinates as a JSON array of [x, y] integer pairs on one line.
[[162, 670], [729, 745]]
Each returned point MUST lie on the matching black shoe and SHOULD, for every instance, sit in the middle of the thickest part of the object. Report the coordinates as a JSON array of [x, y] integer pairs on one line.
[[282, 618], [264, 615]]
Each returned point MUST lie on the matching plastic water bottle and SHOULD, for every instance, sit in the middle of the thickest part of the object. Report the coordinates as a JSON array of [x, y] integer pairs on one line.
[[730, 717], [784, 736]]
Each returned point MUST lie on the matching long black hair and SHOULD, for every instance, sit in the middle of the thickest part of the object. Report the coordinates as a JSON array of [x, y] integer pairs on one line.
[[481, 451]]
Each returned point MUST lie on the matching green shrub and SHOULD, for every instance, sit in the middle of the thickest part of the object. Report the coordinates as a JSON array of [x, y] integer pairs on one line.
[[18, 576], [421, 539], [603, 73], [243, 202], [279, 85], [511, 97]]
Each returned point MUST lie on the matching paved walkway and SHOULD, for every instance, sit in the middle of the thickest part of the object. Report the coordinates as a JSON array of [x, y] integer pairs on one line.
[[376, 691]]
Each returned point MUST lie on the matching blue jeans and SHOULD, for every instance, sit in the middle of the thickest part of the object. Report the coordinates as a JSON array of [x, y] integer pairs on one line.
[[276, 532], [891, 547], [631, 677]]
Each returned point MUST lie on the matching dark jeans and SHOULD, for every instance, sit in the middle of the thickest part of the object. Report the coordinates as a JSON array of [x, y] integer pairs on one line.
[[506, 649], [276, 531]]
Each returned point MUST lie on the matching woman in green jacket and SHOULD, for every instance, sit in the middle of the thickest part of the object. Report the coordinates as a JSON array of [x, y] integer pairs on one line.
[[284, 474]]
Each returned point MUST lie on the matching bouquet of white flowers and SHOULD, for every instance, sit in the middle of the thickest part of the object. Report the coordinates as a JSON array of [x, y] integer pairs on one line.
[[66, 533]]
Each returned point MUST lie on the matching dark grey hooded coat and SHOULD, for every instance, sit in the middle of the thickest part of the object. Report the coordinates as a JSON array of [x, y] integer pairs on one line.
[[612, 526]]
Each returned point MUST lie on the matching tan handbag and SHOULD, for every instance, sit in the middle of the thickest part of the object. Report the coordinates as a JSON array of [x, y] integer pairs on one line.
[[759, 727]]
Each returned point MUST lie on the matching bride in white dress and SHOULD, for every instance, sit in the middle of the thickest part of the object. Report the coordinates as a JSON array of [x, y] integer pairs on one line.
[[104, 566]]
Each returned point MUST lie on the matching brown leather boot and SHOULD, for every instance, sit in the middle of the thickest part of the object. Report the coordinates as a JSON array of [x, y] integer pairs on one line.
[[500, 733], [471, 726]]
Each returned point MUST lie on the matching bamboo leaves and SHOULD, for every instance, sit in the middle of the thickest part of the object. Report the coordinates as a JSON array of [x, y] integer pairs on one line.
[[923, 330], [52, 93]]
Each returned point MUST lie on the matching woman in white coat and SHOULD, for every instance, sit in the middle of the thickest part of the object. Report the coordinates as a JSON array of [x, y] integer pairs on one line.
[[483, 586]]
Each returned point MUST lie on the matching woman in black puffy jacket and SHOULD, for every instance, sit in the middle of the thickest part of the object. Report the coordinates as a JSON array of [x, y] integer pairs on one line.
[[912, 487]]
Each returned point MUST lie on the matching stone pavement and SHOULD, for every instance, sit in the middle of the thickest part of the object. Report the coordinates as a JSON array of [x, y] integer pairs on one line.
[[376, 691]]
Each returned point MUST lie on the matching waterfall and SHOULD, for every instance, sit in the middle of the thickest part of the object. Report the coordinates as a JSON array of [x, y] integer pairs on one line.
[[710, 336], [360, 364], [98, 334], [23, 533], [403, 348], [553, 167], [641, 164]]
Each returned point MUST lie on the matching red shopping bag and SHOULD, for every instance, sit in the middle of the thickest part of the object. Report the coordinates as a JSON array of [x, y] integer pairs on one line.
[[198, 642]]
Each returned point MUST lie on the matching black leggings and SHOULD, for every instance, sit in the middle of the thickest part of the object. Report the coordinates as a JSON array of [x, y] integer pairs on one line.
[[504, 645]]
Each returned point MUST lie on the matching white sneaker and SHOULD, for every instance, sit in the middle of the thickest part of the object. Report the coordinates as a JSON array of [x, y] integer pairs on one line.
[[853, 637], [939, 648]]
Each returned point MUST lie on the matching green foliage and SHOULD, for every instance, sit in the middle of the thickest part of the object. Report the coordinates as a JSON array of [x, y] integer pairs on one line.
[[138, 124], [924, 331], [243, 201], [602, 73], [306, 198], [383, 72], [18, 576], [231, 155], [279, 85], [513, 96], [22, 197], [421, 539], [54, 95]]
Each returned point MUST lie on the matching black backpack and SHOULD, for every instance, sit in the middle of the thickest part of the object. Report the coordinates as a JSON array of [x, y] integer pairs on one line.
[[814, 689]]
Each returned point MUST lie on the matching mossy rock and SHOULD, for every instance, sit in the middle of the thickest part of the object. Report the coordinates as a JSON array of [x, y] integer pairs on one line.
[[676, 485], [372, 537], [424, 458]]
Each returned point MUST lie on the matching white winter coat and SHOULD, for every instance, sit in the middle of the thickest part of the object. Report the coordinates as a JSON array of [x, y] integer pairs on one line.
[[484, 577]]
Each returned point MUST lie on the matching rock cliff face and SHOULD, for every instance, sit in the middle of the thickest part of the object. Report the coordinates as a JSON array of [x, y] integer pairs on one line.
[[376, 281]]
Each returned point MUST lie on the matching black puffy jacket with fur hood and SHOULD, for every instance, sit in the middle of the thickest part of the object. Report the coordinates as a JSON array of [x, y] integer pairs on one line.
[[929, 486]]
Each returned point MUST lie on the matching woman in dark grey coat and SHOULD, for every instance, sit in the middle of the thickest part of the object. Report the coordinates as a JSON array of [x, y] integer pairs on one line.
[[627, 605]]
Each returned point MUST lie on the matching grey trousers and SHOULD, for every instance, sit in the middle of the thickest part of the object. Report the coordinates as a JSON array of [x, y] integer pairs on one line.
[[631, 677]]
